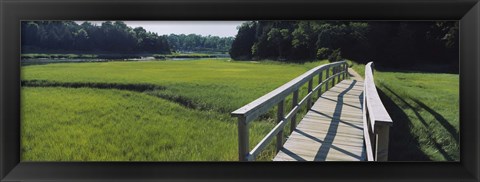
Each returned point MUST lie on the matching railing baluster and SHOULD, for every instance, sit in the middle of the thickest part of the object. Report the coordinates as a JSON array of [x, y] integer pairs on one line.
[[310, 88], [319, 82], [346, 71], [293, 123], [280, 117], [243, 147], [335, 77], [333, 73], [327, 73], [339, 69]]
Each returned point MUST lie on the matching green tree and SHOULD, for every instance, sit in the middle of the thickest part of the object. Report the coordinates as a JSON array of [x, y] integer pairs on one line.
[[243, 42], [280, 38]]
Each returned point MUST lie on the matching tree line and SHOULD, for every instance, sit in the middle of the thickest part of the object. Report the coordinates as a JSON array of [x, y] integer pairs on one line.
[[198, 43], [111, 37], [392, 42]]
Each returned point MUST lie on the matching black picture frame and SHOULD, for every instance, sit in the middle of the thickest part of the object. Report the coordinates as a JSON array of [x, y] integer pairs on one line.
[[13, 11]]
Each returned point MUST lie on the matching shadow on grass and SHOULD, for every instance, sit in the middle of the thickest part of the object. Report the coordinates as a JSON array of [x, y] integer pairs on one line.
[[404, 145], [449, 127]]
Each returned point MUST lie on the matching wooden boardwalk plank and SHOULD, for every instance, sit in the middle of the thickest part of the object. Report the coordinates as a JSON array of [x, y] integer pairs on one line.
[[332, 130]]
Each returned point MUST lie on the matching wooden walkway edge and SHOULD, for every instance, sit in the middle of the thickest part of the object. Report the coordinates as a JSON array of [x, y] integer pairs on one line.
[[332, 130]]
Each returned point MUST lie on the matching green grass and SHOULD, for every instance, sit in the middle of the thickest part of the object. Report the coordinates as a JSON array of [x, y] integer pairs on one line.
[[359, 68], [145, 111], [211, 84], [425, 111], [65, 124]]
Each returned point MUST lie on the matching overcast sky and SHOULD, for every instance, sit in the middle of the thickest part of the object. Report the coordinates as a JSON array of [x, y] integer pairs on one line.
[[216, 28]]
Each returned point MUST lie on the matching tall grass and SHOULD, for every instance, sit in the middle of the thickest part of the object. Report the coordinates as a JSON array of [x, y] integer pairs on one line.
[[212, 84], [135, 111], [65, 124]]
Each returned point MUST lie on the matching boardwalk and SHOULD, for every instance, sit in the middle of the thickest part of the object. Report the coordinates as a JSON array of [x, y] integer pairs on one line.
[[341, 125], [332, 130]]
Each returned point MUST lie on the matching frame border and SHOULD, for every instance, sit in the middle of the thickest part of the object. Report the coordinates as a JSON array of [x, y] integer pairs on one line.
[[13, 11]]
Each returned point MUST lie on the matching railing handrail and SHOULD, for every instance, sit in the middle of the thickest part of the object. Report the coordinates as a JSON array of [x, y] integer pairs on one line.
[[378, 113], [377, 121], [261, 105]]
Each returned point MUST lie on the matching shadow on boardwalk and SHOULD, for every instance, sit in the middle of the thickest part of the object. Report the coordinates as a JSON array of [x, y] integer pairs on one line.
[[331, 130], [328, 141]]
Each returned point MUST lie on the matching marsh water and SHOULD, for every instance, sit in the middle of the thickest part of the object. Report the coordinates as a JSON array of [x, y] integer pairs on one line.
[[36, 61]]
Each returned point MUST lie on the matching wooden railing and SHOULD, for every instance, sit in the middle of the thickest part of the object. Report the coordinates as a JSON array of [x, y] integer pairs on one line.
[[251, 111], [376, 120]]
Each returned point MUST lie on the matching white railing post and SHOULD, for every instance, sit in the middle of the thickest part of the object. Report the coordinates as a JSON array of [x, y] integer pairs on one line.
[[243, 147], [334, 71], [338, 71], [381, 144], [310, 88], [347, 76], [293, 123], [327, 73], [280, 117], [320, 82]]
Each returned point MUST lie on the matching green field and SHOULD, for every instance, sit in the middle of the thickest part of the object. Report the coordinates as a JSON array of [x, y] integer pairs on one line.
[[425, 111], [144, 111], [179, 110]]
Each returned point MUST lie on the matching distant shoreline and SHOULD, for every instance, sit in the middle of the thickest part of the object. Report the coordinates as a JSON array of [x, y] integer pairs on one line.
[[120, 56]]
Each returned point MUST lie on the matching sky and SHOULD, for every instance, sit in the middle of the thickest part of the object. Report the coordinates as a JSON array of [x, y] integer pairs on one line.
[[214, 28]]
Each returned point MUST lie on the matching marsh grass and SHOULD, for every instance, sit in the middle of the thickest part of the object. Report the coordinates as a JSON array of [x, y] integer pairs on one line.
[[179, 110], [147, 111], [84, 124]]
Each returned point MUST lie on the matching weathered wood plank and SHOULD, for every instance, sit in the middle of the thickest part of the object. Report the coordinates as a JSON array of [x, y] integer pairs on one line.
[[333, 154], [323, 121], [312, 134], [323, 127], [300, 139], [330, 115], [305, 149]]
